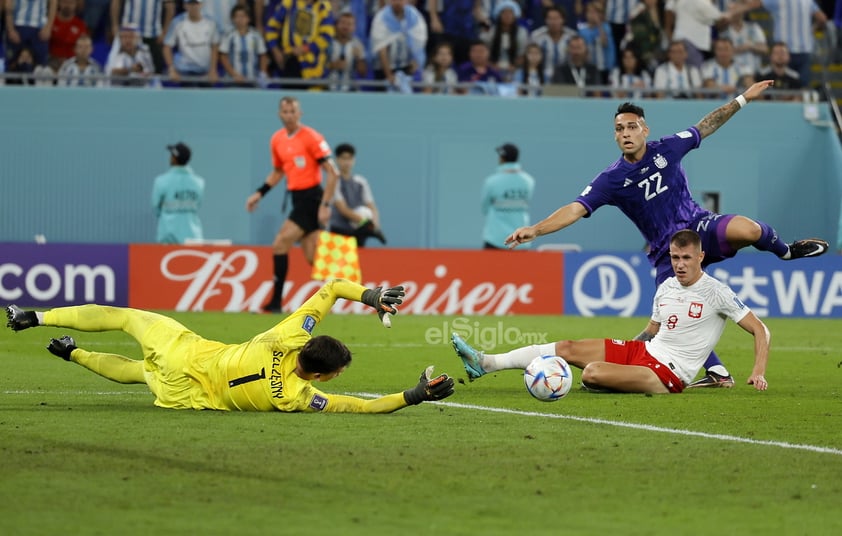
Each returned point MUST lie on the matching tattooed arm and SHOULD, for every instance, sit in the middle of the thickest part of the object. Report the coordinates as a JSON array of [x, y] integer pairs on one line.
[[649, 333], [712, 121]]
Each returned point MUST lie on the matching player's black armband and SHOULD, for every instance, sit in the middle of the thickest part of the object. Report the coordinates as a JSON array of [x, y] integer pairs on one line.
[[263, 189]]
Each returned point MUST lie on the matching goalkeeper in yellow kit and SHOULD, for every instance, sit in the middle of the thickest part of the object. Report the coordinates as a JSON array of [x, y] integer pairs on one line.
[[273, 371]]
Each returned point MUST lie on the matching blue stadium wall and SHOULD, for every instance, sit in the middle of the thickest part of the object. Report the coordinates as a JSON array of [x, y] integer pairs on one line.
[[77, 165]]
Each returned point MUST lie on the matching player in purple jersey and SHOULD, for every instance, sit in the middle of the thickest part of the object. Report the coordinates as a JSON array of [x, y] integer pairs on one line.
[[648, 184]]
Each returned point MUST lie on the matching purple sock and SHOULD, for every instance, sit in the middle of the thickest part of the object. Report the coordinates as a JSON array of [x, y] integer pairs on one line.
[[769, 241]]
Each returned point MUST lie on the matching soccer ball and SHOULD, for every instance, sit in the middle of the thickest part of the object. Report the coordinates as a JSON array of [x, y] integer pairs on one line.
[[548, 378], [366, 215]]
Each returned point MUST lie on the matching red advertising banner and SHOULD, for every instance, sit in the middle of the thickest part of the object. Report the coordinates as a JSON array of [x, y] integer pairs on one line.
[[239, 278]]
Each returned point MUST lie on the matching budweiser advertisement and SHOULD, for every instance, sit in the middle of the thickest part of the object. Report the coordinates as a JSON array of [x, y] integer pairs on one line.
[[454, 282]]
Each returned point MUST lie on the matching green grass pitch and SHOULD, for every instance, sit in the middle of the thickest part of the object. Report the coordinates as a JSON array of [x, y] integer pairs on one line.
[[82, 455]]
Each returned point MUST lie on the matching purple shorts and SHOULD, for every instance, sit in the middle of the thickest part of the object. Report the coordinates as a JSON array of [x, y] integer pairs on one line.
[[711, 228]]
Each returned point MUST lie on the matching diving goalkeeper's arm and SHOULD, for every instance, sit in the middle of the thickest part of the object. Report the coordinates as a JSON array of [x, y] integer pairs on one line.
[[426, 389], [385, 302]]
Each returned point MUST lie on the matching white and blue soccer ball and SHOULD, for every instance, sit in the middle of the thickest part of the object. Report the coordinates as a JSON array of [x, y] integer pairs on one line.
[[366, 215], [548, 378]]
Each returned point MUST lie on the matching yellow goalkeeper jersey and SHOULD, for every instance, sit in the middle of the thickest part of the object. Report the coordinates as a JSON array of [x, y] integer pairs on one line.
[[259, 375], [186, 371]]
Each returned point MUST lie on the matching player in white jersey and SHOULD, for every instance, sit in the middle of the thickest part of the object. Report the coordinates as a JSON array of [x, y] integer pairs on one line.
[[688, 316]]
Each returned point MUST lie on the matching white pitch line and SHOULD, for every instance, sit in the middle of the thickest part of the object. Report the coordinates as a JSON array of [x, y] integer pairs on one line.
[[635, 426], [491, 409]]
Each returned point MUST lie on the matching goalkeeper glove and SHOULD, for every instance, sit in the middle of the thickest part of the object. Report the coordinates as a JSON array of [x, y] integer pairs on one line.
[[384, 301], [438, 388]]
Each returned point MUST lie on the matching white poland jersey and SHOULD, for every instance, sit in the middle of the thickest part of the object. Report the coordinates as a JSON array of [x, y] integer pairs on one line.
[[692, 319]]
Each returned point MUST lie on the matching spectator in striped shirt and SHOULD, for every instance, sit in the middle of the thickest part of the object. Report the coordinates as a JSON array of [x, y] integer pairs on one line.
[[630, 75], [129, 59], [79, 70], [675, 78], [153, 19], [750, 45], [242, 50], [439, 76], [346, 55], [553, 38], [599, 38], [618, 14], [721, 72], [794, 24], [530, 76], [398, 42], [29, 24]]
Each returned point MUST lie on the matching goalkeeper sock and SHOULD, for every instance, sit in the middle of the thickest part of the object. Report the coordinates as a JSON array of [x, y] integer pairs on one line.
[[518, 358], [115, 367]]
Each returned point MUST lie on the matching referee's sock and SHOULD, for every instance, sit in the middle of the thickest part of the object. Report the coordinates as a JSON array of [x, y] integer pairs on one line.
[[281, 266]]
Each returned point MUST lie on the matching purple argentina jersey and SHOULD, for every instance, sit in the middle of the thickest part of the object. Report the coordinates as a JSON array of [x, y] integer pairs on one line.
[[653, 193]]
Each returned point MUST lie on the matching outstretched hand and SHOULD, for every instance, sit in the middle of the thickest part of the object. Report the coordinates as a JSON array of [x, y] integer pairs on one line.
[[521, 236], [385, 302], [756, 89], [437, 388]]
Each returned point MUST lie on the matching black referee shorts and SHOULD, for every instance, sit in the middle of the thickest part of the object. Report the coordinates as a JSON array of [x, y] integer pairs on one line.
[[305, 208]]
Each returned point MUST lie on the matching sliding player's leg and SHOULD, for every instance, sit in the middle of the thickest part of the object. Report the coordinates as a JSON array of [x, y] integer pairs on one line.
[[114, 367]]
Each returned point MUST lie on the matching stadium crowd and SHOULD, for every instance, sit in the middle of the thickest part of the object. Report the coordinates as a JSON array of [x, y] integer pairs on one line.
[[624, 48]]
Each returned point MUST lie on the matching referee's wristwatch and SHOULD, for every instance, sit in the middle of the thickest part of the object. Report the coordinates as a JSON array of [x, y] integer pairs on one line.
[[325, 204]]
